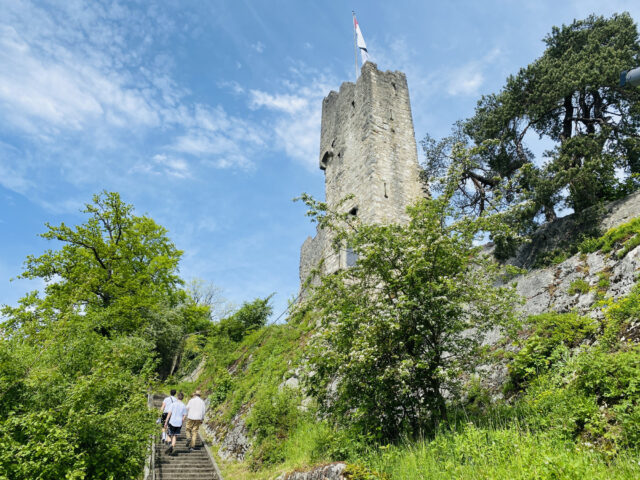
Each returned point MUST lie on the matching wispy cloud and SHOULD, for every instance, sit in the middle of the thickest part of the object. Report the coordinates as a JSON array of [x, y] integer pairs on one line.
[[297, 110], [82, 77], [258, 46], [283, 102]]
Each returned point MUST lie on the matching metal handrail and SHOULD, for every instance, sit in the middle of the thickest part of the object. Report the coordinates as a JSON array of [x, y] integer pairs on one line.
[[151, 474]]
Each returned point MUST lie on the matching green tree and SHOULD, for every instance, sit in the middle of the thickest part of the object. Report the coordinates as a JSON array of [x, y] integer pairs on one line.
[[116, 263], [76, 361], [250, 316], [569, 96], [400, 327]]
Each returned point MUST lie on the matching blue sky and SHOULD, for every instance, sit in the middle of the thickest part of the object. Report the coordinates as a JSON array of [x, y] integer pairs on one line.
[[206, 114]]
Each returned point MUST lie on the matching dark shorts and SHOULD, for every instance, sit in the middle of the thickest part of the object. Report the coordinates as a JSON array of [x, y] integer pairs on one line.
[[174, 430], [163, 419]]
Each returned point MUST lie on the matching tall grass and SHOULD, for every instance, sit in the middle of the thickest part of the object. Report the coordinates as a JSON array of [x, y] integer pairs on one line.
[[511, 453]]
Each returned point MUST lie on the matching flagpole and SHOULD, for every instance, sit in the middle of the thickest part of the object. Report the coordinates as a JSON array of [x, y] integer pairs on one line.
[[355, 45]]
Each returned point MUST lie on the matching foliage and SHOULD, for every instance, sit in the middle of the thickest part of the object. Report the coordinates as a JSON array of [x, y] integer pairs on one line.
[[210, 296], [621, 240], [250, 316], [273, 416], [76, 362], [404, 322], [591, 392], [498, 453], [355, 471], [593, 395], [579, 285], [568, 96], [553, 333]]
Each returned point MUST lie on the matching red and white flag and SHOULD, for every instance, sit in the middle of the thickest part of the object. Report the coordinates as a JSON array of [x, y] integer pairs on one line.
[[360, 41]]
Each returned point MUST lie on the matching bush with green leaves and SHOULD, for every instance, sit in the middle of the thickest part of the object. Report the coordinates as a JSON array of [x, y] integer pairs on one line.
[[621, 240], [594, 395], [553, 334], [273, 416], [405, 322]]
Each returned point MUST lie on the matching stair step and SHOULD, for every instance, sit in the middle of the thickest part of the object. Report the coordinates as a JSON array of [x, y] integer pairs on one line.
[[181, 469], [184, 460], [187, 476], [182, 464]]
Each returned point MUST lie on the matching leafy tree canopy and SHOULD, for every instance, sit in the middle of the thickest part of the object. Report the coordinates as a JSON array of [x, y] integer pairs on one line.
[[76, 361], [117, 264], [570, 97], [250, 316]]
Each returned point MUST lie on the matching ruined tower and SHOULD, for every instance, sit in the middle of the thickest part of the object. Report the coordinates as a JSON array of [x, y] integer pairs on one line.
[[368, 149]]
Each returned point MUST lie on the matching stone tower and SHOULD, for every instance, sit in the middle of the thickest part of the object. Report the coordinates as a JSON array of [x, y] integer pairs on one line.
[[368, 149]]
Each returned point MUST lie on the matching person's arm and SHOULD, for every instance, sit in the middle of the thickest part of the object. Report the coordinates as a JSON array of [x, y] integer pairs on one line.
[[167, 420], [162, 407]]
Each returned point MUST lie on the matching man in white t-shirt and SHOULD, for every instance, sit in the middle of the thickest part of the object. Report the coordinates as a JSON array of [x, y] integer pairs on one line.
[[195, 415], [166, 405], [175, 417]]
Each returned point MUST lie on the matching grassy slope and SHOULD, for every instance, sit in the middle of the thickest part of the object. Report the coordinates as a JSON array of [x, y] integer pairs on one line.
[[289, 439], [504, 450]]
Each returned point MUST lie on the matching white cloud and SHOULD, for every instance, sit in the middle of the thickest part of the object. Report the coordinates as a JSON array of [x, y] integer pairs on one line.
[[175, 167], [258, 46], [297, 113], [283, 102], [465, 80], [81, 78], [13, 179]]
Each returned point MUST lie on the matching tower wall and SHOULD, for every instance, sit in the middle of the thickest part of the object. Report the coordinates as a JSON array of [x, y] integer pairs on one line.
[[367, 149]]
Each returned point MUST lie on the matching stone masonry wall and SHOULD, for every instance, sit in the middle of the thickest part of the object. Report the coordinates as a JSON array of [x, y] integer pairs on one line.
[[367, 149]]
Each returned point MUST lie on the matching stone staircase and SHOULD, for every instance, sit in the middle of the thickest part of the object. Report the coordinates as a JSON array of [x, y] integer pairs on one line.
[[182, 464]]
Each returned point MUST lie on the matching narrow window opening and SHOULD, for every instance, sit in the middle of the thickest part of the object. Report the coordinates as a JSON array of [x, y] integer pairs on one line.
[[354, 211], [352, 257], [385, 190], [325, 160], [353, 104]]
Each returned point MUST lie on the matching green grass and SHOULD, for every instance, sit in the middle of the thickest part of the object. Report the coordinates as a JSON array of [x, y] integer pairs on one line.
[[579, 285], [499, 454], [472, 453], [621, 240]]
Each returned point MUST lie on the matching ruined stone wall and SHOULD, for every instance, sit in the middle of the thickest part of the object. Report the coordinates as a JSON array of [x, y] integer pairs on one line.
[[548, 289], [367, 149]]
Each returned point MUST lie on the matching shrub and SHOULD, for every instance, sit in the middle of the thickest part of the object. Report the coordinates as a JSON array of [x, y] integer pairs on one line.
[[553, 334], [272, 418], [621, 239], [399, 327], [578, 286], [355, 471], [595, 396], [250, 316]]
